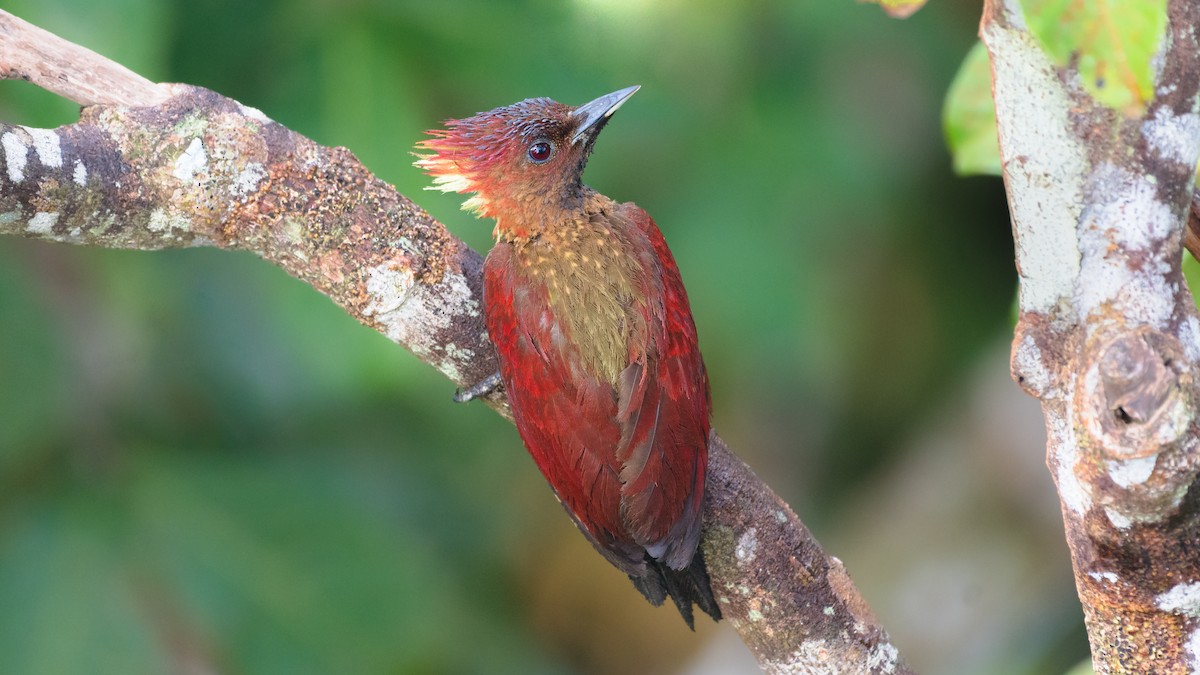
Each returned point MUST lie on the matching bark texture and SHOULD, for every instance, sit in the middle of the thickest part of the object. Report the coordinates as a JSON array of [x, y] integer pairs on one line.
[[152, 166], [1108, 338]]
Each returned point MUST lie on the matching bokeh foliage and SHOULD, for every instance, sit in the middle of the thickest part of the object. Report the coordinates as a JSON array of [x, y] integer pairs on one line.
[[970, 117], [201, 460]]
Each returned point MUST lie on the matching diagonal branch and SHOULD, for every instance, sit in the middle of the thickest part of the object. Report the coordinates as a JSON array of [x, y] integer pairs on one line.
[[153, 166], [1108, 337]]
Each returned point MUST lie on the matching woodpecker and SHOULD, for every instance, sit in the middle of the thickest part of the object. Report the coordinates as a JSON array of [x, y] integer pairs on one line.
[[595, 339]]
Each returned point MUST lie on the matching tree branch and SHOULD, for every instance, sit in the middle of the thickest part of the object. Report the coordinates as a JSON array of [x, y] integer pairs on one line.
[[158, 166], [32, 54], [1108, 338]]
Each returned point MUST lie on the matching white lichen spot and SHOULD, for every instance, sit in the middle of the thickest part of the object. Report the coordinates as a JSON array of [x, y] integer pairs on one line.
[[1110, 577], [1130, 472], [162, 221], [459, 353], [193, 125], [1181, 599], [1143, 296], [449, 366], [46, 144], [1193, 649], [1029, 365], [42, 223], [389, 289], [828, 610], [80, 174], [1119, 520], [15, 151], [781, 517], [1066, 454], [1173, 136], [812, 658], [754, 615], [247, 181], [414, 315], [9, 217], [747, 546], [883, 658], [1189, 334], [1130, 217], [1137, 215], [158, 220], [254, 114], [293, 228], [192, 160]]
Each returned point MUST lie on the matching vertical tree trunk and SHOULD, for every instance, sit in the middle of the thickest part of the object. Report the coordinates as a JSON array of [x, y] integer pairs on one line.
[[1108, 337]]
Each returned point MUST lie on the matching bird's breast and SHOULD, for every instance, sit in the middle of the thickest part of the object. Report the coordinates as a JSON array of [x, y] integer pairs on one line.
[[594, 295]]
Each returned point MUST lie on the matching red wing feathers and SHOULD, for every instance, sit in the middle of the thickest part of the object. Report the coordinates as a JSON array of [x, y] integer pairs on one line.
[[627, 460], [565, 421], [665, 421]]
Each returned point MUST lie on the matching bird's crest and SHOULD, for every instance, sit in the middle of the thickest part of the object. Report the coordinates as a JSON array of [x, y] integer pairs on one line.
[[472, 155]]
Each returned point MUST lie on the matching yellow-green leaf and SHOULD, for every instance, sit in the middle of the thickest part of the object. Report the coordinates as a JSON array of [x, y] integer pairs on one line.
[[899, 9], [1112, 43], [969, 117], [1191, 273]]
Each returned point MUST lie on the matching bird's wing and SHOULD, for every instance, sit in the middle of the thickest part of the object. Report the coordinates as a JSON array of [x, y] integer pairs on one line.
[[663, 408], [565, 420]]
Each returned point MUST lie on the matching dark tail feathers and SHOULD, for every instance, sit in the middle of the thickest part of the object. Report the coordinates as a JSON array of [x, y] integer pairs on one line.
[[686, 587]]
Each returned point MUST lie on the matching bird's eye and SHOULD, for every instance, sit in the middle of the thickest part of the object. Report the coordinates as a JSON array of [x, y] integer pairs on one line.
[[540, 152]]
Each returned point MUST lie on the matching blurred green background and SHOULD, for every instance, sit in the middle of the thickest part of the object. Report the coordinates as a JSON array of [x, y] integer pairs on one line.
[[207, 467]]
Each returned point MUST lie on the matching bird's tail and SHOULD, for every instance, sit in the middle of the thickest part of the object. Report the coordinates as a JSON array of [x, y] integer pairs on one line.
[[687, 587]]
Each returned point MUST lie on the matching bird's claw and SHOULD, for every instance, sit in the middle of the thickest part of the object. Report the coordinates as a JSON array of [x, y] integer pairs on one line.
[[481, 388]]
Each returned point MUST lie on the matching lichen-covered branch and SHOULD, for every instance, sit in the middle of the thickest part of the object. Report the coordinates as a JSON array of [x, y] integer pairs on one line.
[[158, 166], [1108, 338]]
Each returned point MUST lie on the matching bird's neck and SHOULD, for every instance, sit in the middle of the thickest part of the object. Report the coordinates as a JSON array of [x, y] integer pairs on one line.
[[523, 216]]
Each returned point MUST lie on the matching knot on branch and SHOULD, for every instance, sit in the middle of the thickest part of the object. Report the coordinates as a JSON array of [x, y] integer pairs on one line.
[[1136, 381], [1136, 394], [1135, 402]]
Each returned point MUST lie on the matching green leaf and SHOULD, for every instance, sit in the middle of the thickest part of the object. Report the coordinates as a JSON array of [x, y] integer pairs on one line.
[[1112, 42], [1191, 273], [969, 117]]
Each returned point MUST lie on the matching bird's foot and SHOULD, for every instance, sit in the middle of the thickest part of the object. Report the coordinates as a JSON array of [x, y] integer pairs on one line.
[[481, 388]]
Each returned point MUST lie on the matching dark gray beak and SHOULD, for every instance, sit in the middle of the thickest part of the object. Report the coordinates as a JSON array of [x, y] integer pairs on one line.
[[593, 115]]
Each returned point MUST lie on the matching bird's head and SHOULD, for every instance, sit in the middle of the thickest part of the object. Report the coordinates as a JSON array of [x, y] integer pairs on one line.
[[525, 156]]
